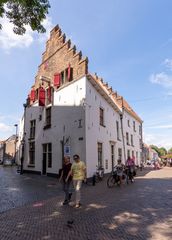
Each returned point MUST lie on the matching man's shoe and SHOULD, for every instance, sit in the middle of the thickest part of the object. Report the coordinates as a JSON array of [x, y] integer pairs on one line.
[[78, 205], [65, 202]]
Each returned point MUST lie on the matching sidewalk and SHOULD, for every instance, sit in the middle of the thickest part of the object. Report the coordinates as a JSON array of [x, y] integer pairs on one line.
[[139, 211]]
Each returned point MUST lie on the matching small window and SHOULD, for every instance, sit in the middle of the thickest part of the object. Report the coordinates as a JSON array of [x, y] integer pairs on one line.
[[100, 155], [48, 117], [128, 153], [32, 153], [132, 144], [128, 123], [127, 138], [134, 126], [32, 128], [120, 153], [101, 112]]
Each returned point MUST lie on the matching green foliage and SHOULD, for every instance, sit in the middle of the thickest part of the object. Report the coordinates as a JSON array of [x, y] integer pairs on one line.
[[161, 151], [170, 150], [25, 12]]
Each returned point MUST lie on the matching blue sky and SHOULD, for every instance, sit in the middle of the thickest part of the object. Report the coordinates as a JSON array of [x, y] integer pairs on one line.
[[128, 43]]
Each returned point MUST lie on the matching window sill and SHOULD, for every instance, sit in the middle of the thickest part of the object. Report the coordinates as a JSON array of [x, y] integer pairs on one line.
[[31, 166], [31, 138], [47, 127], [102, 125]]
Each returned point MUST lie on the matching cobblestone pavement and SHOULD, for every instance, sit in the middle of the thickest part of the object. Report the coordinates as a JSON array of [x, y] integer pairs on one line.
[[138, 211], [17, 190]]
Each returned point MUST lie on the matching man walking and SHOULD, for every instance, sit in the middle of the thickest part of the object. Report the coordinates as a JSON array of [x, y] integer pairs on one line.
[[78, 173], [66, 184]]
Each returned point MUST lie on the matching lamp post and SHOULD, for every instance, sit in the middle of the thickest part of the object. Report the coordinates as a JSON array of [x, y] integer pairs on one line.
[[23, 139], [16, 126]]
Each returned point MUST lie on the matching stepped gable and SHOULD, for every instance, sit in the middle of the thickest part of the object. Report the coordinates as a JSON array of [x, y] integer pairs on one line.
[[117, 99], [59, 54]]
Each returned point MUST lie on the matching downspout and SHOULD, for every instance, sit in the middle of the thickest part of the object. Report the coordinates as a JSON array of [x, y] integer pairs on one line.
[[122, 130]]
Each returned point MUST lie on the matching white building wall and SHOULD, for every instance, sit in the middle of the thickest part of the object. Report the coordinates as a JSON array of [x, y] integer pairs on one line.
[[96, 133], [75, 115], [136, 136], [67, 121]]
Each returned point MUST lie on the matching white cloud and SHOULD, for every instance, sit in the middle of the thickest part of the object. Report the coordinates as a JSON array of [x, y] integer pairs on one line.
[[159, 140], [162, 79], [9, 40], [5, 128], [168, 126], [168, 63]]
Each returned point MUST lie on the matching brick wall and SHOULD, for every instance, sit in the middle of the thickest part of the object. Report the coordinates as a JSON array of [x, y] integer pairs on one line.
[[58, 55]]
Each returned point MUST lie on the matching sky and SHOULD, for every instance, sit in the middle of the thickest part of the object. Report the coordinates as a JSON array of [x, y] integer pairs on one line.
[[128, 44]]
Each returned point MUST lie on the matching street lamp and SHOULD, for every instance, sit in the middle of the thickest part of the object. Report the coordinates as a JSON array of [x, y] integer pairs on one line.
[[16, 126], [23, 140]]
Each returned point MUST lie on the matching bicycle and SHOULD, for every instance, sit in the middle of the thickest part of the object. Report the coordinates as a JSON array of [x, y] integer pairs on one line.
[[114, 179], [99, 174], [129, 174]]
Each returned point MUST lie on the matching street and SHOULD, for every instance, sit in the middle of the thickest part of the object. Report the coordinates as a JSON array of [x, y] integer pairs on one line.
[[31, 209]]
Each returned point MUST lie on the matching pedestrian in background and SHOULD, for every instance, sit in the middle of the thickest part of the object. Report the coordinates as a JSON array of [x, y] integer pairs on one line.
[[78, 173], [66, 184]]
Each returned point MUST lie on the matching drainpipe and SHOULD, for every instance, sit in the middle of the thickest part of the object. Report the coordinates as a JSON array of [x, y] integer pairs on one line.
[[122, 130]]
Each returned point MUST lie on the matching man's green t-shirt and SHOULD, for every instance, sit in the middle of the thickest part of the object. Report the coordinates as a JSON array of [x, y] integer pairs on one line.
[[78, 170]]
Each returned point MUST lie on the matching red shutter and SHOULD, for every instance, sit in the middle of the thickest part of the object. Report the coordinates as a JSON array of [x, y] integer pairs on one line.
[[32, 95], [41, 96], [69, 73], [49, 94], [57, 80]]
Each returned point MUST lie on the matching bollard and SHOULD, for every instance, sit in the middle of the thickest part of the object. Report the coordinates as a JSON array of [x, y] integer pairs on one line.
[[94, 180]]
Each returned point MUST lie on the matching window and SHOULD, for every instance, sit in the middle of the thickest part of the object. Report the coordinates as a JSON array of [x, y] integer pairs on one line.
[[128, 123], [127, 138], [32, 153], [101, 117], [120, 153], [48, 117], [117, 130], [49, 93], [140, 143], [134, 126], [32, 128], [112, 155], [132, 140], [140, 129], [100, 156], [128, 153], [47, 154]]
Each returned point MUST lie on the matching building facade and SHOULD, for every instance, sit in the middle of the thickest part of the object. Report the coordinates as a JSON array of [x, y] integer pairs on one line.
[[70, 111]]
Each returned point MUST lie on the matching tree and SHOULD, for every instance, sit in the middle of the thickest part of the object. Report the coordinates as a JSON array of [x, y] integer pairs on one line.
[[25, 12], [155, 148], [162, 151], [170, 150]]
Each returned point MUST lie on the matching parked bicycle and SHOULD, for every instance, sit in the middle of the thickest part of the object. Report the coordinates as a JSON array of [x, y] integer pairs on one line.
[[99, 174]]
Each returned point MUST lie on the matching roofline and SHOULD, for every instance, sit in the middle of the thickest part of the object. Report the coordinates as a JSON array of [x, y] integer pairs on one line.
[[103, 93]]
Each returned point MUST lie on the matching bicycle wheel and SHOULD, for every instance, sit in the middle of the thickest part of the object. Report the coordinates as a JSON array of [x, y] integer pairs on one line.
[[111, 182]]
